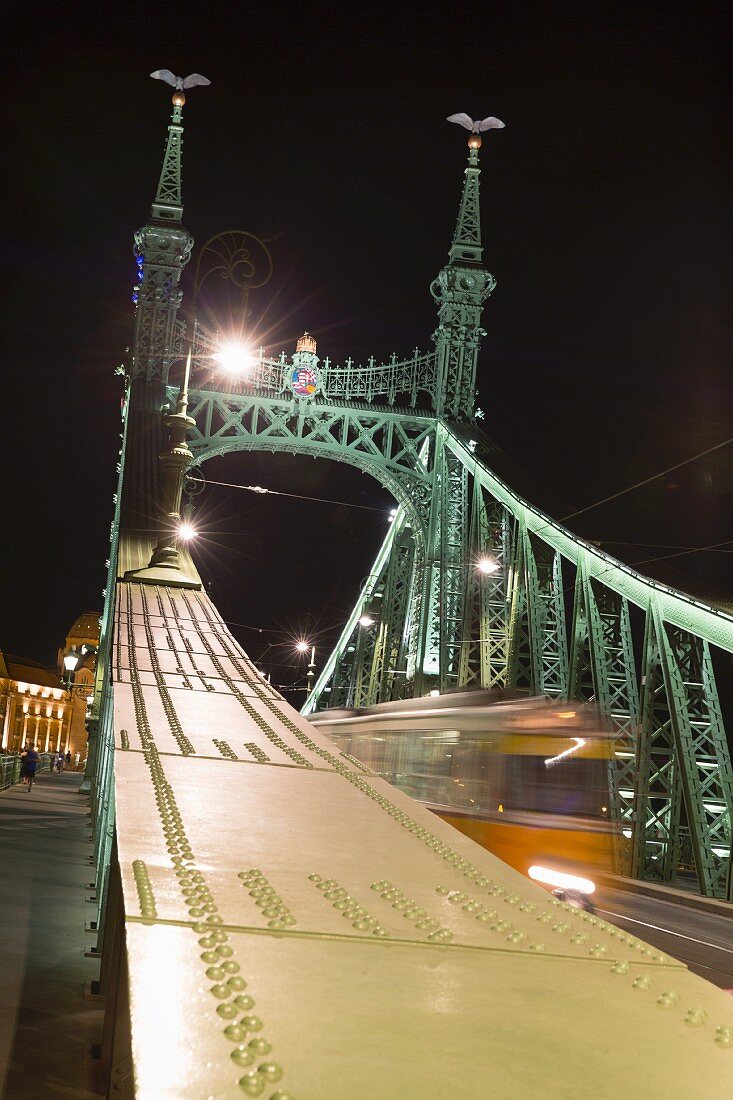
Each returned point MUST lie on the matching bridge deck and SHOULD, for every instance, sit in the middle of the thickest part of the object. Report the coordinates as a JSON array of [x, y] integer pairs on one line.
[[293, 923], [47, 1028]]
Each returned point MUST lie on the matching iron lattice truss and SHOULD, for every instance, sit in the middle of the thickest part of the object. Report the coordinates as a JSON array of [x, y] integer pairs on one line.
[[556, 617]]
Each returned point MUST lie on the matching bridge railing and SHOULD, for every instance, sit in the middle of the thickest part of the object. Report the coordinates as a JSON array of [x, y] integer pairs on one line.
[[405, 382], [11, 764]]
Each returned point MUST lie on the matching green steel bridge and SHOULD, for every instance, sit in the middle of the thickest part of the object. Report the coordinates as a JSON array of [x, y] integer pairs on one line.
[[231, 837]]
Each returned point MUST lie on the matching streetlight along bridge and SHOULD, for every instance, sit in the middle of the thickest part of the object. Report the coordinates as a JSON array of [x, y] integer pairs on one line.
[[274, 919]]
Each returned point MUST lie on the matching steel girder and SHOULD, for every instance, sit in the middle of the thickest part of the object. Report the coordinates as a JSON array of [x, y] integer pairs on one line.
[[444, 578], [368, 664], [391, 446], [684, 761], [510, 627], [603, 669], [484, 642]]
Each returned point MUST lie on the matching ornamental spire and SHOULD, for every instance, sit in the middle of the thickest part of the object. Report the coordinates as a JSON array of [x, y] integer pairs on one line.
[[466, 246], [162, 249], [168, 202], [460, 291]]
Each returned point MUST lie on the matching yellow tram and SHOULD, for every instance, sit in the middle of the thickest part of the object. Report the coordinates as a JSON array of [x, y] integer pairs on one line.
[[525, 778]]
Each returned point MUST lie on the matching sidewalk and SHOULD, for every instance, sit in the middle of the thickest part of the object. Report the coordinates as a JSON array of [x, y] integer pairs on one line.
[[47, 1028]]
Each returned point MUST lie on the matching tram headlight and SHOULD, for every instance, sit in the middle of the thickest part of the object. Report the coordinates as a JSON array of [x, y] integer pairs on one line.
[[561, 879]]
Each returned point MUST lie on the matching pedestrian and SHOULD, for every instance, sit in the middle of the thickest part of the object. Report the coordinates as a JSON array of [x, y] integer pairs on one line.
[[67, 758], [77, 758], [30, 762], [60, 763]]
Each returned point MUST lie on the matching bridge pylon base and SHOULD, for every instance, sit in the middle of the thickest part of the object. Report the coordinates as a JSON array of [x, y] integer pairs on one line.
[[173, 577]]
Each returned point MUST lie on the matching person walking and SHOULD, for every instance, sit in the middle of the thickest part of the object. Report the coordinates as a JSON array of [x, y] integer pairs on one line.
[[30, 760], [67, 758]]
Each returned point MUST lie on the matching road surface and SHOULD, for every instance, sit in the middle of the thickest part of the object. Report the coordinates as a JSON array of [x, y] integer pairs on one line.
[[703, 940]]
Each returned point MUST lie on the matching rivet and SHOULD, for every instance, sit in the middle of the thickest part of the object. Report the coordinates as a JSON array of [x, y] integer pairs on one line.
[[227, 1011], [695, 1017], [242, 1056], [252, 1084], [667, 999], [621, 967], [724, 1036], [271, 1071], [235, 1032], [642, 982]]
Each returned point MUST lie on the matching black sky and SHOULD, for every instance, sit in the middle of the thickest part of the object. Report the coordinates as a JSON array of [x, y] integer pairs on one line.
[[606, 223]]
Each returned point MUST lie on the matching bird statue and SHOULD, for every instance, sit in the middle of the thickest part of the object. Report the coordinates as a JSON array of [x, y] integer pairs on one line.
[[179, 83], [476, 126]]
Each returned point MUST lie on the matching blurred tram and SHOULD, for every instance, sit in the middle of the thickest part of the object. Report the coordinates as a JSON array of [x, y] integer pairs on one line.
[[525, 778]]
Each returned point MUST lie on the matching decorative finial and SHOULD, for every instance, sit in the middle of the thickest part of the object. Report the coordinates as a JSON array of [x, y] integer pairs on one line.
[[306, 343], [476, 126], [179, 83]]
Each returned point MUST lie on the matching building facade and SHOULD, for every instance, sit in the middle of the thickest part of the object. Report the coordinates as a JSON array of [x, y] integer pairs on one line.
[[47, 707]]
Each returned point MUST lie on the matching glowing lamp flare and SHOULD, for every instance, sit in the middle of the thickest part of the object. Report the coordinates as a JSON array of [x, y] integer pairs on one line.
[[366, 620], [302, 647], [235, 358], [487, 565], [186, 531], [561, 879]]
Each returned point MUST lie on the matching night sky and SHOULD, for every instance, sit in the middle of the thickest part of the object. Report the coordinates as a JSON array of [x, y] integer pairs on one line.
[[606, 223]]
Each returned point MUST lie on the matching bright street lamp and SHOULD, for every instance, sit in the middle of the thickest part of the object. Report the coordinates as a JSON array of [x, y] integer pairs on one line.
[[71, 660], [186, 531], [487, 565], [302, 647], [366, 620], [235, 358]]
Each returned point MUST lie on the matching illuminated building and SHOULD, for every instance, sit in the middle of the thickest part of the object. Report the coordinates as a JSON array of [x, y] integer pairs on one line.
[[37, 707]]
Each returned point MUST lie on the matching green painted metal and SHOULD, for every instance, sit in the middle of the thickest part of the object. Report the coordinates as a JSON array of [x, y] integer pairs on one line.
[[460, 291], [410, 424], [162, 249], [685, 760]]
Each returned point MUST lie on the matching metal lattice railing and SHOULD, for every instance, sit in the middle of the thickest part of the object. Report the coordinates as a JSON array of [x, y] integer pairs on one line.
[[398, 382]]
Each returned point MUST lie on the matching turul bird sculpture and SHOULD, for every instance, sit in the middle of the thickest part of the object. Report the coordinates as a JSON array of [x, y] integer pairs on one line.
[[179, 82], [476, 126]]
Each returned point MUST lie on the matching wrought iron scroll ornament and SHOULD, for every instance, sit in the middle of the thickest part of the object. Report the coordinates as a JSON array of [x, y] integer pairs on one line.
[[241, 258]]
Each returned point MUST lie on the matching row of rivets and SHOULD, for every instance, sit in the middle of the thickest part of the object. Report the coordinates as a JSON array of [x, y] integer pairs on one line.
[[490, 917], [187, 646], [344, 903], [411, 911], [124, 739], [272, 905], [221, 968], [255, 750], [144, 889], [249, 674], [695, 1017], [357, 763], [225, 749], [170, 712], [256, 717]]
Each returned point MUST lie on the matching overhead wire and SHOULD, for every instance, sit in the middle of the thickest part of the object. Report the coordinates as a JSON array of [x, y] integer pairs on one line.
[[645, 481], [279, 493]]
